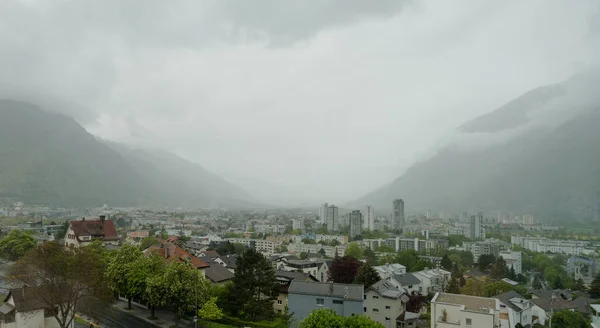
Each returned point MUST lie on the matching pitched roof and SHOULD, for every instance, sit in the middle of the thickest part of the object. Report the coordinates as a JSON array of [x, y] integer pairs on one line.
[[172, 252], [217, 273], [505, 299], [95, 228], [6, 308], [212, 253], [407, 279], [25, 299], [351, 292], [229, 260], [555, 304], [386, 289], [293, 275]]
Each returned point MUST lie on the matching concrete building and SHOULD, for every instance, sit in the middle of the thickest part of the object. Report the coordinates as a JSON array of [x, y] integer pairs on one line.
[[476, 228], [398, 214], [332, 218], [304, 297], [369, 222], [285, 278], [355, 223], [512, 259], [528, 219], [342, 239], [486, 247], [432, 280], [323, 212], [260, 245], [561, 246], [451, 310], [581, 267], [330, 251], [305, 266], [298, 224], [385, 303], [406, 282], [390, 269], [595, 315], [82, 232]]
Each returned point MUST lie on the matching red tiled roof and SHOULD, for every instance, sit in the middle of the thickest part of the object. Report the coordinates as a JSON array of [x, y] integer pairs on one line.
[[95, 228], [172, 252]]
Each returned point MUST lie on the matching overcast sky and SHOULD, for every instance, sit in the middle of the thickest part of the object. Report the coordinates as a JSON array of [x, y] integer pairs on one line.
[[297, 101]]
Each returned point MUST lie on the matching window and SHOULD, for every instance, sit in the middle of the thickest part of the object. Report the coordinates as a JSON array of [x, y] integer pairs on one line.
[[376, 310], [320, 301], [410, 286], [375, 297], [468, 321], [387, 307], [364, 309], [279, 302], [387, 318], [365, 296], [338, 302]]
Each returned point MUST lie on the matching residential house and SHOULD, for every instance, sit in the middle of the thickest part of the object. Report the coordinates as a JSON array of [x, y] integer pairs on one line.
[[306, 266], [171, 252], [22, 308], [385, 303], [212, 254], [432, 280], [304, 297], [228, 261], [519, 309], [595, 310], [216, 273], [323, 272], [407, 283], [285, 279], [452, 310], [546, 302], [82, 232], [387, 270]]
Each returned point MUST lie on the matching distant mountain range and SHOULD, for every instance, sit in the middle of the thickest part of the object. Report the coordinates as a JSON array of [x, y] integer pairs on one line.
[[48, 158], [538, 154]]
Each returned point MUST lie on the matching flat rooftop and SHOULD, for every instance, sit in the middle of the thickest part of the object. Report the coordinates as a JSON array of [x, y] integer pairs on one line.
[[471, 303]]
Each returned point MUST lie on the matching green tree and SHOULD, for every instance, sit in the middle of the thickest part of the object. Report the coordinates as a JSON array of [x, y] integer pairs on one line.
[[334, 242], [595, 287], [254, 286], [474, 287], [303, 255], [370, 256], [145, 270], [322, 251], [568, 318], [186, 288], [385, 249], [147, 242], [309, 241], [453, 286], [485, 260], [16, 244], [328, 318], [210, 311], [354, 250], [500, 287], [367, 275], [63, 278], [446, 263], [499, 271], [408, 258], [118, 273]]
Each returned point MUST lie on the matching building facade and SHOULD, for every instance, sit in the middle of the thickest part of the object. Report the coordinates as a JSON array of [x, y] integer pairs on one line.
[[451, 310], [398, 213], [332, 218], [369, 222], [385, 303], [355, 223], [304, 297], [476, 228]]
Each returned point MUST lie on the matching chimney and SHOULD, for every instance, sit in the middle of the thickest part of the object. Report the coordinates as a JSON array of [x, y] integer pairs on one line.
[[102, 218], [83, 219]]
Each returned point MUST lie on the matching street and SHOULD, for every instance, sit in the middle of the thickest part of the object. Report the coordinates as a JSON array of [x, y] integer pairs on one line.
[[110, 317]]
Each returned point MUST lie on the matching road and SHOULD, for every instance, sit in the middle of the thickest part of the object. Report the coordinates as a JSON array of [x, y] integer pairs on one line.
[[110, 317]]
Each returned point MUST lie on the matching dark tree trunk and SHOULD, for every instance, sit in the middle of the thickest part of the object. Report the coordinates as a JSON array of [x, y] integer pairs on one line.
[[152, 308], [129, 302]]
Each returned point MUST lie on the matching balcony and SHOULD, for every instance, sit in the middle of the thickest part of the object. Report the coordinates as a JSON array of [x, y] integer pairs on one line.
[[440, 319]]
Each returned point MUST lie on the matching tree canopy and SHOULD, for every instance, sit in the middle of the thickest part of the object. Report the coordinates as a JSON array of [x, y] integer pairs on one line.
[[354, 250], [344, 269], [16, 244], [367, 275], [328, 318], [567, 318]]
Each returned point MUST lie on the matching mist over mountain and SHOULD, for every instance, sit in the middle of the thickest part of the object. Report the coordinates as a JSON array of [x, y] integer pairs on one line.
[[49, 158], [538, 154]]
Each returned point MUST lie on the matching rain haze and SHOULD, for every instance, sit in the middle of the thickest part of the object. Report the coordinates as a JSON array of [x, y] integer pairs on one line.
[[297, 102]]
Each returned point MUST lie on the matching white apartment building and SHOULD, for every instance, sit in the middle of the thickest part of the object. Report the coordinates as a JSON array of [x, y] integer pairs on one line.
[[298, 224], [432, 280], [306, 266], [384, 303], [485, 247], [512, 259], [369, 222], [328, 238], [260, 245], [390, 269], [561, 246], [330, 251], [452, 310]]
